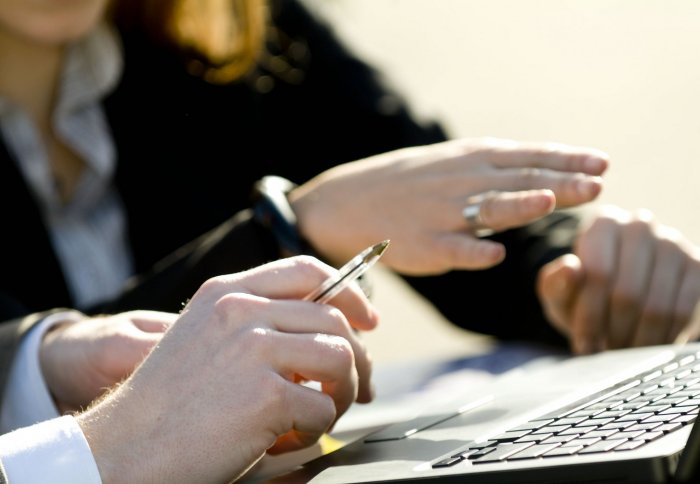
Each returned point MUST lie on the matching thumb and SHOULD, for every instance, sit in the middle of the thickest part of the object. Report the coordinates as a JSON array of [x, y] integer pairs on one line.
[[557, 285]]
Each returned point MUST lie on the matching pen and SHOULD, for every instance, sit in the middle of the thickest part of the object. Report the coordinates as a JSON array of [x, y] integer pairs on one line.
[[353, 269]]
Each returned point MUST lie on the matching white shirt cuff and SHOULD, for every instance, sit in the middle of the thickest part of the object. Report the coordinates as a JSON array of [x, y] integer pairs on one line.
[[53, 451], [27, 399]]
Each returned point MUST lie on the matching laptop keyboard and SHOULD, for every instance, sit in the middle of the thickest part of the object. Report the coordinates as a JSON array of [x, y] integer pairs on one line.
[[621, 418]]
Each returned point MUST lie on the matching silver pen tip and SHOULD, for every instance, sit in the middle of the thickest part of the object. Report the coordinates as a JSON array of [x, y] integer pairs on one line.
[[378, 249]]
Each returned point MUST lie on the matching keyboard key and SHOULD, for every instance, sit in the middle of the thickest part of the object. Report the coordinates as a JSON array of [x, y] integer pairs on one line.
[[558, 439], [602, 446], [465, 453], [617, 425], [587, 412], [570, 420], [603, 434], [633, 405], [532, 425], [583, 442], [649, 436], [510, 436], [480, 453], [670, 367], [613, 414], [630, 395], [501, 453], [669, 427], [533, 438], [596, 422], [562, 451], [652, 408], [576, 431], [669, 401], [678, 410], [630, 445], [552, 429], [634, 417], [481, 445], [663, 418], [606, 404], [632, 434], [532, 452], [651, 376], [685, 419], [645, 426], [450, 461]]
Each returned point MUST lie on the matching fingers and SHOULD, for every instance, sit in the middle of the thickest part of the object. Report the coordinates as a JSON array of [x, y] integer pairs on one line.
[[569, 189], [656, 317], [640, 285], [314, 355], [322, 358], [553, 156], [294, 278], [460, 251], [598, 251], [312, 413], [151, 321], [497, 211], [557, 286], [310, 318], [686, 322], [513, 209], [631, 282], [572, 173]]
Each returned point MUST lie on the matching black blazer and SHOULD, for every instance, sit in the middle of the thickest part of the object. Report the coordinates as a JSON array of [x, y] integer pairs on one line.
[[189, 152]]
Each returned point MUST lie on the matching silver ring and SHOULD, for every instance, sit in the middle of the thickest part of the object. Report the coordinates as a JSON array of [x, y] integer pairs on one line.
[[475, 223]]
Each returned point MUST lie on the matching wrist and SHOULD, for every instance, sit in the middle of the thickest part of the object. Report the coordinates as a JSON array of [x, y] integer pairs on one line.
[[273, 211], [52, 364]]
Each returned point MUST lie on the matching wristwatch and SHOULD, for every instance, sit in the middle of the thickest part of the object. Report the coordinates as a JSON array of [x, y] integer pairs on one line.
[[272, 210]]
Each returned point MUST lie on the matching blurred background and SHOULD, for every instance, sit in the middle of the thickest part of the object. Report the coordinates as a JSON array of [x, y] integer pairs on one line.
[[619, 75]]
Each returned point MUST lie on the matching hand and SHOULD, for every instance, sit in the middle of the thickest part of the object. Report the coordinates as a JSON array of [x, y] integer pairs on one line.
[[81, 360], [630, 282], [219, 390], [415, 197]]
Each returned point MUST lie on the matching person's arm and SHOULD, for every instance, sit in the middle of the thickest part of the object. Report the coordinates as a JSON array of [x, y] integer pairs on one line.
[[11, 334], [60, 361], [26, 398], [236, 245], [240, 349], [348, 102]]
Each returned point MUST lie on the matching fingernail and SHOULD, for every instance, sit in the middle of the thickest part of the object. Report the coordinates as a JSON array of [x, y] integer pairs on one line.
[[589, 187], [596, 164]]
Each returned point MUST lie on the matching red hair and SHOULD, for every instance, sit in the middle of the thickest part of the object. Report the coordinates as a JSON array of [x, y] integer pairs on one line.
[[220, 39]]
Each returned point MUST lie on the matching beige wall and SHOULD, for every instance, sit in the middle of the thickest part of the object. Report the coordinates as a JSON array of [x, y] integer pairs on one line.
[[623, 76], [620, 75]]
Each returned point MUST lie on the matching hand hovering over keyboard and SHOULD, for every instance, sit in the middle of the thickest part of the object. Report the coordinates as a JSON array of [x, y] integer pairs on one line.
[[416, 197], [221, 388], [630, 282]]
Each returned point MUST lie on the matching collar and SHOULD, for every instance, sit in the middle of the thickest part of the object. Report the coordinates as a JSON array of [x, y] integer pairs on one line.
[[91, 70]]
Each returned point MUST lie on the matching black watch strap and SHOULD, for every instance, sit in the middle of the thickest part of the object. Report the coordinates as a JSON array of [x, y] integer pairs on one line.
[[271, 209]]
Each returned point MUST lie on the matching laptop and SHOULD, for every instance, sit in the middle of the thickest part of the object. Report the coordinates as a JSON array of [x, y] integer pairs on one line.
[[617, 416]]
